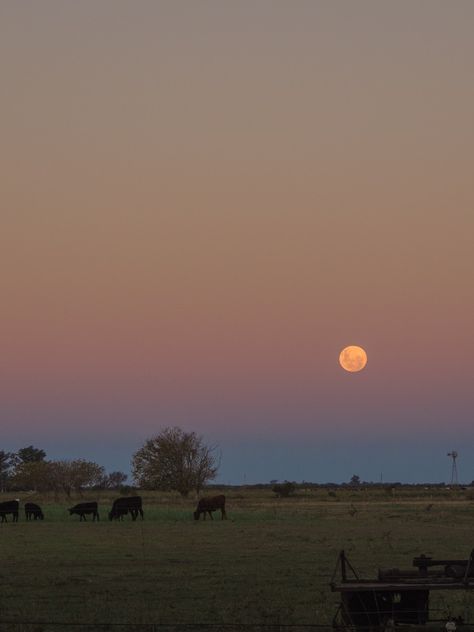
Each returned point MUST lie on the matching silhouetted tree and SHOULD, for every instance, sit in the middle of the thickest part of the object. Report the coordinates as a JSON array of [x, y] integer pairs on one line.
[[6, 464], [175, 460], [34, 475], [114, 480], [58, 476], [75, 475], [31, 454], [355, 480]]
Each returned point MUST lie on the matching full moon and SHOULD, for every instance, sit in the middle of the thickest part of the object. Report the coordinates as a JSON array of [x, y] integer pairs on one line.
[[353, 358]]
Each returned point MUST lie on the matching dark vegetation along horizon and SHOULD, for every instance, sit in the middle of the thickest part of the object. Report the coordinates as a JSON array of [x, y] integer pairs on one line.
[[171, 460]]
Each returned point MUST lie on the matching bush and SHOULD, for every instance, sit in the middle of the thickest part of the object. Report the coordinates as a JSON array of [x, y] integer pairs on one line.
[[283, 490]]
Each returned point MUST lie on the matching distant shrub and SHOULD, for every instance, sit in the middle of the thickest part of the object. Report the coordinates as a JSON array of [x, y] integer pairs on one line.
[[283, 490], [332, 494]]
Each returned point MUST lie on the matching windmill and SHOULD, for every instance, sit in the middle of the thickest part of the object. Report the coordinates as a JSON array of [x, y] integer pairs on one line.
[[454, 470]]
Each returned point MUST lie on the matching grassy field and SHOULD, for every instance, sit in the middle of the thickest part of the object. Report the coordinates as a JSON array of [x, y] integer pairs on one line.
[[271, 562]]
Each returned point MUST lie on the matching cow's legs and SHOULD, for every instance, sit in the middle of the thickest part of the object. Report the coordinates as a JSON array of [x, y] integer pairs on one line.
[[224, 515], [210, 515], [15, 516]]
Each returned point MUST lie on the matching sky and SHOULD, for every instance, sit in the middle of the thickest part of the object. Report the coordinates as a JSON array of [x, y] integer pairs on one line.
[[202, 203]]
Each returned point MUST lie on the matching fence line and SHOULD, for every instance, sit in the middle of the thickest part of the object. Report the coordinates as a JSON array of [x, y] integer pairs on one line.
[[174, 626], [41, 626], [200, 627]]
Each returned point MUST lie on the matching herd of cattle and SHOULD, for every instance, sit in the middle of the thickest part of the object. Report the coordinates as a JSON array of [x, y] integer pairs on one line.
[[120, 508]]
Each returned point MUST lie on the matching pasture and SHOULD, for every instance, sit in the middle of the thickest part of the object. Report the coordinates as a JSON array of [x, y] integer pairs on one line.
[[269, 563]]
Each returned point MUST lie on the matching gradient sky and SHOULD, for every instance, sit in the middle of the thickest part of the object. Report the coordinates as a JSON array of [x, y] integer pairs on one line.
[[203, 202]]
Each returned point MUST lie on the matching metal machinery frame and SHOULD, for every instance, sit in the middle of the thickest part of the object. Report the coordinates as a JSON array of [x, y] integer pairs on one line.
[[397, 598]]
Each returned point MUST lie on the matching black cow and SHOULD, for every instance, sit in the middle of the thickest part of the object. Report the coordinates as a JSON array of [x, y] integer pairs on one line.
[[33, 512], [122, 506], [9, 507], [85, 508], [210, 504]]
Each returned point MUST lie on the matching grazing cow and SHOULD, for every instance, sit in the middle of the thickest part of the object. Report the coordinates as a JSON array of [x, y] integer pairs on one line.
[[85, 508], [210, 504], [33, 512], [122, 506], [9, 507]]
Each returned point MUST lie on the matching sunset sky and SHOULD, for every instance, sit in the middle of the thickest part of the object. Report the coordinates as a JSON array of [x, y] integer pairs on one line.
[[203, 202]]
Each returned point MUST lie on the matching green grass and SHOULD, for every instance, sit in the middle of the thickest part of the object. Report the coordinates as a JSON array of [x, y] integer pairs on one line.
[[270, 562]]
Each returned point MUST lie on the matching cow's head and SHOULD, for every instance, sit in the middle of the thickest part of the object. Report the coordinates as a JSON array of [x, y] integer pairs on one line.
[[112, 515], [71, 511]]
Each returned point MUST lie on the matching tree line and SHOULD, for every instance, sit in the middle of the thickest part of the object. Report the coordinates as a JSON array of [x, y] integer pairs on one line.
[[29, 469], [172, 460]]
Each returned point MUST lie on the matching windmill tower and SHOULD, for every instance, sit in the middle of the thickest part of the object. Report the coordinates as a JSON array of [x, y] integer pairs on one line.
[[454, 470]]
